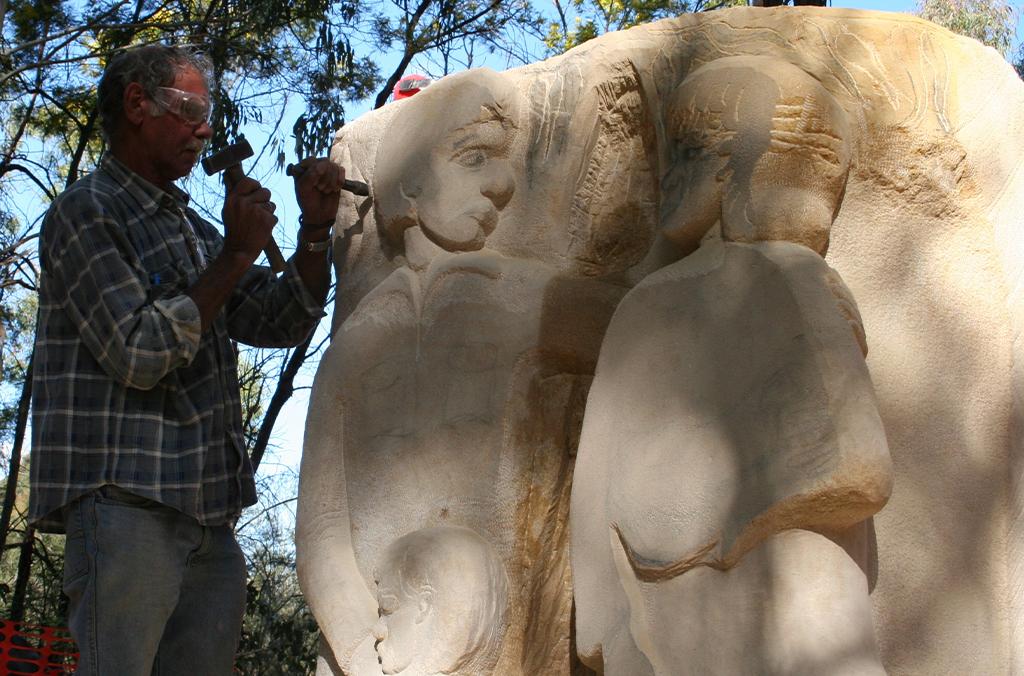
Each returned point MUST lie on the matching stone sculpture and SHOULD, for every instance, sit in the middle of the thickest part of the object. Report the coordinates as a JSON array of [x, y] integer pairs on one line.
[[687, 178]]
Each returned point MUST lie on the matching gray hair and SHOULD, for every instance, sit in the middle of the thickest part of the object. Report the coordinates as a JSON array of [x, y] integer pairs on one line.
[[151, 66]]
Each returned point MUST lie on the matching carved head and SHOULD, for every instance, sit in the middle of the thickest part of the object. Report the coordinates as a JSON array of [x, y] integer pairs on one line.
[[443, 165], [758, 144], [441, 594]]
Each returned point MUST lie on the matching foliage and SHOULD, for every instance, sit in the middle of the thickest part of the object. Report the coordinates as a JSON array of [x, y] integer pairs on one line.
[[279, 633], [582, 20], [440, 36], [17, 319], [265, 54], [253, 382], [990, 22], [44, 602]]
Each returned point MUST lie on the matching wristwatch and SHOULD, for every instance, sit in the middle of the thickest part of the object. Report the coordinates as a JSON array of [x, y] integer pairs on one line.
[[318, 245]]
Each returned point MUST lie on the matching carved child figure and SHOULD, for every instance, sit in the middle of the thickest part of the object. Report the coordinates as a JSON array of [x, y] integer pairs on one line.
[[452, 392], [442, 594], [731, 447]]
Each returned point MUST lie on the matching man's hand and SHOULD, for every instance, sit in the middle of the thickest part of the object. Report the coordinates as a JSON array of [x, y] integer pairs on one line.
[[249, 218], [317, 188]]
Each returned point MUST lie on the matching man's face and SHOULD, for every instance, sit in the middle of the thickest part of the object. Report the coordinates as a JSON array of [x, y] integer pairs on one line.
[[397, 627], [174, 144]]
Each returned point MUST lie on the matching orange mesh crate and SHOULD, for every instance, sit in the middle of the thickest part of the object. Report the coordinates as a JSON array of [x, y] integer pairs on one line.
[[34, 649]]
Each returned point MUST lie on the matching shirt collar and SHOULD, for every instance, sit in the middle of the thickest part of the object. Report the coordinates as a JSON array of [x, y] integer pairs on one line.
[[148, 195]]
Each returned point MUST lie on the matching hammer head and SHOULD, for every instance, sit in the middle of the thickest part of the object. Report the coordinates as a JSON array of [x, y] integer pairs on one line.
[[228, 157]]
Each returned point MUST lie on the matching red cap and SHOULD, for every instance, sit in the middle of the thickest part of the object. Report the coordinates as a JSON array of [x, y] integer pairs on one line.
[[409, 85]]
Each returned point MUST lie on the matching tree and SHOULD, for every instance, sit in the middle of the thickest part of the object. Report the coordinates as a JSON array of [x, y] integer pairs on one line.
[[990, 22], [444, 34], [279, 633], [32, 596]]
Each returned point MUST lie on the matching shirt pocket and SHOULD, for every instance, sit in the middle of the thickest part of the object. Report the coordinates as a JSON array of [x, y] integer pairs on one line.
[[167, 281]]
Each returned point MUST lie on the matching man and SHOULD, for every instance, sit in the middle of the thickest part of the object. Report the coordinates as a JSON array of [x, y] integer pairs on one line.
[[137, 442]]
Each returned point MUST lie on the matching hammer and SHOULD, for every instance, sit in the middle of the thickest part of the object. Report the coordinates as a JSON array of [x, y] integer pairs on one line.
[[229, 160]]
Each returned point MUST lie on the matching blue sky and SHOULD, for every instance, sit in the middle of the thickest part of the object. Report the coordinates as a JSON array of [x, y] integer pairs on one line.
[[883, 5], [909, 6]]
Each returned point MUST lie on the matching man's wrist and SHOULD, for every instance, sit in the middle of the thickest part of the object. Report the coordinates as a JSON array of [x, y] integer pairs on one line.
[[233, 261], [311, 235], [315, 240], [305, 226]]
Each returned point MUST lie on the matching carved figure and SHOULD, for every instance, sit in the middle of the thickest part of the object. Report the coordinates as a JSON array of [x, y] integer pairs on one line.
[[442, 594], [479, 351], [735, 371]]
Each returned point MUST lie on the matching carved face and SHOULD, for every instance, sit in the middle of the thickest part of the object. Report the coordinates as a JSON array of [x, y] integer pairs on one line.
[[441, 602], [693, 183], [398, 628], [444, 164], [469, 182]]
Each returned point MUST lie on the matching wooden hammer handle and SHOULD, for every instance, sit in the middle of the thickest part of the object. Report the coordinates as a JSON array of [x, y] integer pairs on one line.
[[273, 253], [232, 175]]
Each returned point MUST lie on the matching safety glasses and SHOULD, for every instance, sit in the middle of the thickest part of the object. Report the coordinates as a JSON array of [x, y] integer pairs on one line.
[[191, 108]]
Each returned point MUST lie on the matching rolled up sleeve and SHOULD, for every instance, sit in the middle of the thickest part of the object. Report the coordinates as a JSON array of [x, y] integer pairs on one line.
[[267, 311], [104, 292]]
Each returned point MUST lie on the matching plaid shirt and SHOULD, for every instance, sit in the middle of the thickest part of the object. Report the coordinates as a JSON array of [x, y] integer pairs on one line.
[[126, 388]]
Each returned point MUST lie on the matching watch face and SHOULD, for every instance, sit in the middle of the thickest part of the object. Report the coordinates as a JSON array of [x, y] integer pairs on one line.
[[322, 245]]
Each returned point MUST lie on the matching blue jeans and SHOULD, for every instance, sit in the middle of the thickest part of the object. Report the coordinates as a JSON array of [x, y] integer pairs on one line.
[[151, 591]]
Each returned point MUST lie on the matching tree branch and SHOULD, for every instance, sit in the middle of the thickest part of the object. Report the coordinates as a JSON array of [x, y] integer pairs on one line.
[[9, 167], [282, 393]]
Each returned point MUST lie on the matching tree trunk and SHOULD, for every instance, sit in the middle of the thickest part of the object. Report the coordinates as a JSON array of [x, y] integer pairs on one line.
[[282, 393], [83, 142], [24, 572], [11, 493], [396, 75]]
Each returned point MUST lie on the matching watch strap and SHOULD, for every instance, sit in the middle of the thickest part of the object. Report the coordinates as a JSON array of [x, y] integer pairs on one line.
[[314, 226]]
